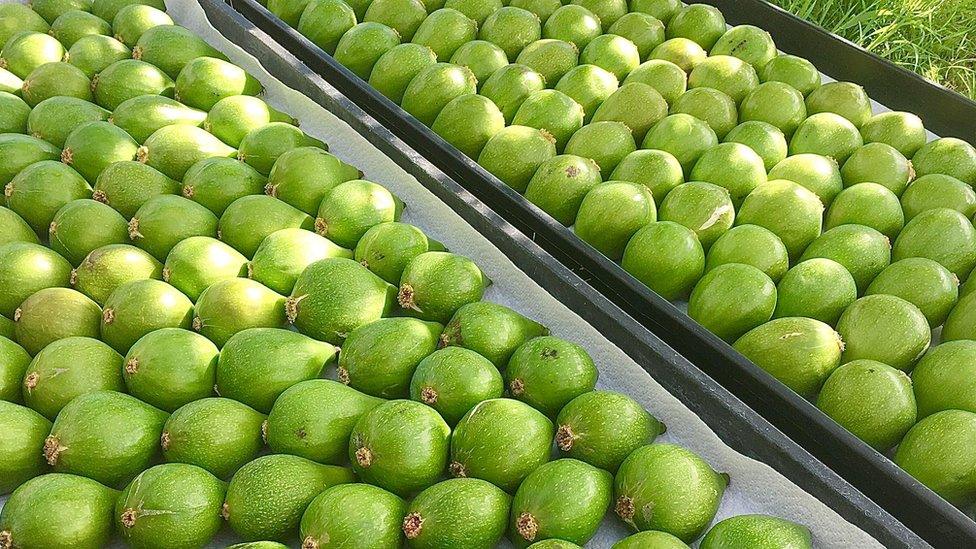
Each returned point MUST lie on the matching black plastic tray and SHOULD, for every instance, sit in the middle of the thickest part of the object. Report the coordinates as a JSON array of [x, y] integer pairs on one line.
[[921, 509]]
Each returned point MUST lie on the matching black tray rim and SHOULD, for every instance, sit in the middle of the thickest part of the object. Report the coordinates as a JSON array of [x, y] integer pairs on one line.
[[927, 514]]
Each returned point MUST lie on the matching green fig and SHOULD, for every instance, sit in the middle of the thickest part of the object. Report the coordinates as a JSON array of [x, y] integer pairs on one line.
[[206, 80], [58, 510], [166, 220], [68, 368], [453, 380], [108, 267], [284, 254], [127, 79], [247, 221], [216, 182], [302, 177], [127, 185], [258, 364], [52, 314], [171, 47], [174, 149], [141, 116], [232, 305], [137, 308], [217, 434], [22, 436], [40, 190], [360, 515], [199, 261], [107, 436], [467, 511], [334, 296], [83, 225], [174, 501], [315, 418], [350, 209], [267, 497], [25, 268], [232, 118]]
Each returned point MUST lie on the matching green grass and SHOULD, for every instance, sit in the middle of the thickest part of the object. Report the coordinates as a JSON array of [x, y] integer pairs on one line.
[[935, 38]]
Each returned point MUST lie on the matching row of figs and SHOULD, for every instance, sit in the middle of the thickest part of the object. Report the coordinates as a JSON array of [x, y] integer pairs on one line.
[[824, 241], [207, 318]]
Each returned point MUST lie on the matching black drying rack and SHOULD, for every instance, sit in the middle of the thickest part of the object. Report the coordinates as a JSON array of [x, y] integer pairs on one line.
[[463, 184]]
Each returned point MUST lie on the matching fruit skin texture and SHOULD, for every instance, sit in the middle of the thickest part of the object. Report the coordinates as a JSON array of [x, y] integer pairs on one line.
[[68, 368], [233, 305], [468, 122], [91, 148], [315, 418], [22, 433], [25, 268], [284, 254], [800, 352], [19, 17], [205, 80], [199, 261], [353, 515], [757, 531], [878, 163], [649, 539], [493, 331], [171, 47], [128, 79], [141, 116], [732, 299], [52, 314], [657, 170], [217, 434], [923, 283], [176, 502], [515, 153], [683, 490], [400, 445], [949, 435], [324, 22], [25, 51], [436, 284], [548, 372], [84, 225], [766, 207], [481, 56], [884, 328], [434, 87], [453, 380], [360, 47], [552, 111], [863, 251], [386, 248], [248, 220], [14, 115], [351, 208], [232, 118], [216, 182], [943, 379], [683, 136], [603, 427], [13, 228], [563, 499], [59, 510], [165, 220], [666, 257], [732, 166], [705, 208], [817, 288], [266, 497], [125, 186], [751, 245], [14, 361], [19, 151], [379, 358], [501, 441], [872, 400], [43, 188], [105, 435], [632, 206], [938, 191], [455, 512], [940, 234], [949, 156], [131, 21], [258, 364], [509, 86], [302, 177], [334, 296], [140, 307], [111, 266], [560, 185], [868, 204], [170, 367], [827, 134], [174, 149]]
